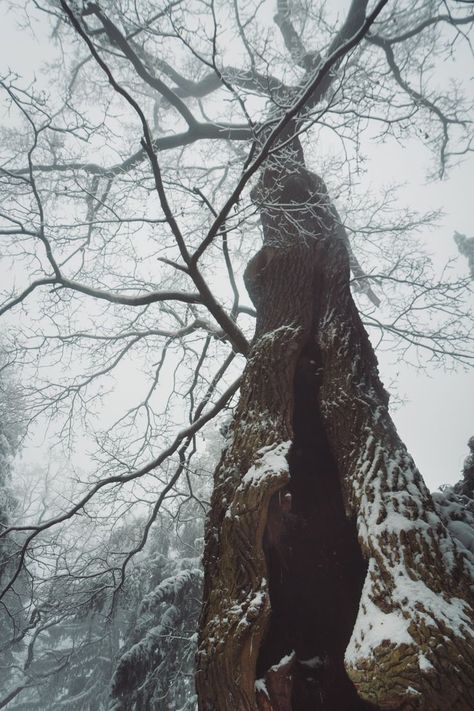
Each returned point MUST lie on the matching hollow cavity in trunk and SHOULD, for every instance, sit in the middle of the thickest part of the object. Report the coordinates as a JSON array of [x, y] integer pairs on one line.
[[315, 567]]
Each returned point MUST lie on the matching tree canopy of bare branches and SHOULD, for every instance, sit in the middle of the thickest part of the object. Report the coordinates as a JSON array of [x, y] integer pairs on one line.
[[188, 241]]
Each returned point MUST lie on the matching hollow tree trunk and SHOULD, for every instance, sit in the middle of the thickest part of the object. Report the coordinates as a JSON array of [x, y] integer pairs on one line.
[[330, 582]]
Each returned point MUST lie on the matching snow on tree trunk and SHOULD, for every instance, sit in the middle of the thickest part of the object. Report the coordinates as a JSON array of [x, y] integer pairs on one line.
[[253, 468], [412, 644], [312, 428]]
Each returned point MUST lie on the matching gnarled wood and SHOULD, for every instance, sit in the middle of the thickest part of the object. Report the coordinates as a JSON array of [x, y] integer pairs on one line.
[[236, 603], [411, 641], [412, 645]]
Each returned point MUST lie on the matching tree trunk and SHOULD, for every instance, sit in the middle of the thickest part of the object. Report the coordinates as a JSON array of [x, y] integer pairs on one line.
[[330, 582]]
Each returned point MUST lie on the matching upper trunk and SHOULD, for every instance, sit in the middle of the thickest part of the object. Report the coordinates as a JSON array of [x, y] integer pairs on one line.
[[312, 434]]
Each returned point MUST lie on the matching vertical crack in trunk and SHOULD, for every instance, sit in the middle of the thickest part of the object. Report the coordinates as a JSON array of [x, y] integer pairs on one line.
[[314, 563], [280, 578], [315, 567]]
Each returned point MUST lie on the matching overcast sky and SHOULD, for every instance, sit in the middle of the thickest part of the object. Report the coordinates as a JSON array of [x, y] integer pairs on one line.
[[438, 416]]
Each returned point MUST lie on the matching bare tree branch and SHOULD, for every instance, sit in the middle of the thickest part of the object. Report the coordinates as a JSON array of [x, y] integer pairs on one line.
[[199, 132], [417, 97], [118, 39], [112, 480], [292, 39], [236, 337], [429, 22], [62, 282], [316, 86]]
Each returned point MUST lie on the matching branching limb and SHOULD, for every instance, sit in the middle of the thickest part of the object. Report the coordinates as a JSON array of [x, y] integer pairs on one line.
[[291, 38], [249, 80], [199, 132], [233, 332], [316, 86], [418, 98], [355, 26], [119, 40], [141, 300], [189, 431], [429, 22]]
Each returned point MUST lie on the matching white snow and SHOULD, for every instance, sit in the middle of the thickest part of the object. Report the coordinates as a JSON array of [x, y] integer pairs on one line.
[[251, 605], [373, 627], [424, 663], [272, 461], [279, 332], [458, 517], [169, 588], [287, 659], [463, 532], [313, 663], [261, 686], [402, 506]]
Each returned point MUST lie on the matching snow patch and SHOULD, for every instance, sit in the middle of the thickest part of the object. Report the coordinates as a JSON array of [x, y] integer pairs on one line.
[[272, 461], [279, 332], [284, 661], [424, 663], [463, 532], [414, 600], [169, 588], [260, 685], [374, 627], [249, 608]]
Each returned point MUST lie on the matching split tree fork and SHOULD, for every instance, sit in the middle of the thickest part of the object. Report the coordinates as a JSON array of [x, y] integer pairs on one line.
[[323, 548]]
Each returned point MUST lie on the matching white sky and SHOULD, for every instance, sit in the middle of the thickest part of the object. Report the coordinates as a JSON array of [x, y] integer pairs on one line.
[[438, 416]]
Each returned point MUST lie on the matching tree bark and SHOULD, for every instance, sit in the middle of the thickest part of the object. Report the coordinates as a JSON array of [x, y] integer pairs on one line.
[[412, 644], [322, 541]]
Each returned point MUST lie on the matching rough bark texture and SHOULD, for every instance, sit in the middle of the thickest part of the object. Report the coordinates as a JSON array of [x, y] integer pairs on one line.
[[418, 589], [278, 580], [236, 598]]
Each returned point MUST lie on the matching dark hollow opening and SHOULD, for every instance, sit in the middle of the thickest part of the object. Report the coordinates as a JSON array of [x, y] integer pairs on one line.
[[315, 566]]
